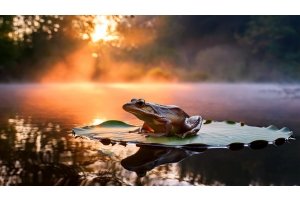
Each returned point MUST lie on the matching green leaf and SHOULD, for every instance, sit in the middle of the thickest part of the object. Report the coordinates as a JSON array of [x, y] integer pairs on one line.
[[115, 123], [217, 134]]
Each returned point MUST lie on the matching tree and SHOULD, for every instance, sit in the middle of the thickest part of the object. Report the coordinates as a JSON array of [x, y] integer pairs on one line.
[[273, 37]]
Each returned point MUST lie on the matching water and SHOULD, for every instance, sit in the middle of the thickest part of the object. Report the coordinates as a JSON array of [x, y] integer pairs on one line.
[[37, 147]]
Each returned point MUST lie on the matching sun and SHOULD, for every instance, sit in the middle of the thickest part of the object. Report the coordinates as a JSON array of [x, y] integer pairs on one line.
[[105, 29]]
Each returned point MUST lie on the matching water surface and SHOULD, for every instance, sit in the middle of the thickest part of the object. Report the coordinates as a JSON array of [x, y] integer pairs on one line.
[[37, 147]]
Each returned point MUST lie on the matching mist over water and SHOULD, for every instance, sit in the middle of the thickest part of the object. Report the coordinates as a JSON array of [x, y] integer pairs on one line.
[[37, 147]]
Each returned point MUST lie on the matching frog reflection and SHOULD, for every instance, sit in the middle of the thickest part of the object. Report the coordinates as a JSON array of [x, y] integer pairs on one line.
[[163, 120], [149, 157]]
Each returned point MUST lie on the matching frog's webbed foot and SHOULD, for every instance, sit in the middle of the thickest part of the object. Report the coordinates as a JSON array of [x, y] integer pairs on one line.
[[189, 133], [138, 130], [155, 134], [147, 132]]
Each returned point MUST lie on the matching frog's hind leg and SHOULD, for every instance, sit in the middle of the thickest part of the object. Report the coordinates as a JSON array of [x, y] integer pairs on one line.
[[193, 122], [193, 125]]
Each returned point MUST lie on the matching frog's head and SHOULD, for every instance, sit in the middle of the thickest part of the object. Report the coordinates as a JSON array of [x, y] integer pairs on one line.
[[141, 109]]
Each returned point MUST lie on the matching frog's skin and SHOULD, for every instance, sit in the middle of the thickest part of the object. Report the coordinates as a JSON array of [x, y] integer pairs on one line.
[[163, 120]]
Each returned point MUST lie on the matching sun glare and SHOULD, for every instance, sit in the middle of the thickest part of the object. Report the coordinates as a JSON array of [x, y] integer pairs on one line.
[[97, 121], [105, 29]]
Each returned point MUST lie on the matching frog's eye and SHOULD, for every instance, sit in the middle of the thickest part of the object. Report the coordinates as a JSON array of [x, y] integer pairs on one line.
[[133, 100], [140, 102]]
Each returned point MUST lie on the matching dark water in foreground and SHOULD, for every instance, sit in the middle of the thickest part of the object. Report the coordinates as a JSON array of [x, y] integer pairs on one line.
[[37, 147]]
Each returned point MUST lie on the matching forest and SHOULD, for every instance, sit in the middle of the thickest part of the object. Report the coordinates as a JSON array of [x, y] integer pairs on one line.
[[149, 48]]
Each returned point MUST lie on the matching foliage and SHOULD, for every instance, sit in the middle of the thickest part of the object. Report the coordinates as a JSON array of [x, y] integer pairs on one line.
[[273, 36], [227, 48], [29, 42]]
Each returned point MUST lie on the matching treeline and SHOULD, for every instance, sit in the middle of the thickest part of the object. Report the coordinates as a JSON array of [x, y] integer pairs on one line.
[[30, 44], [229, 48], [191, 48]]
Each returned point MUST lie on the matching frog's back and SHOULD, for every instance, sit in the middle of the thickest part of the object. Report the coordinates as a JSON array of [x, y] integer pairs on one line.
[[172, 111]]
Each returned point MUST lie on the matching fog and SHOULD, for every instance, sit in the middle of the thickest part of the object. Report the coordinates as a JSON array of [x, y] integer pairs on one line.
[[149, 49]]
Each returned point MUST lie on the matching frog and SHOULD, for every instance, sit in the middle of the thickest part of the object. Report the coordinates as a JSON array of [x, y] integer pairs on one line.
[[163, 120]]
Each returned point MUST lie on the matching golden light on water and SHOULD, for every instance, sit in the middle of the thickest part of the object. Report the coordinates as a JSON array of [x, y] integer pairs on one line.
[[105, 29]]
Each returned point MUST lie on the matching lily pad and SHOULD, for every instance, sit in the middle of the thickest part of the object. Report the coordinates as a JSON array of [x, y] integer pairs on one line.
[[213, 134]]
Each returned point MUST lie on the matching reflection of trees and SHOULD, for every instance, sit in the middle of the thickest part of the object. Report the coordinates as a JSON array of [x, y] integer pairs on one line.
[[34, 154], [44, 154]]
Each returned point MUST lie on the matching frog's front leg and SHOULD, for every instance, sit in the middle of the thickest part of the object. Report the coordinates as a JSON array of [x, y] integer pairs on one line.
[[165, 132], [138, 130], [144, 129], [148, 131]]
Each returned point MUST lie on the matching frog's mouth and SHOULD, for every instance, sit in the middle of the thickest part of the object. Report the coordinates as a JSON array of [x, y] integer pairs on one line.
[[144, 110]]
